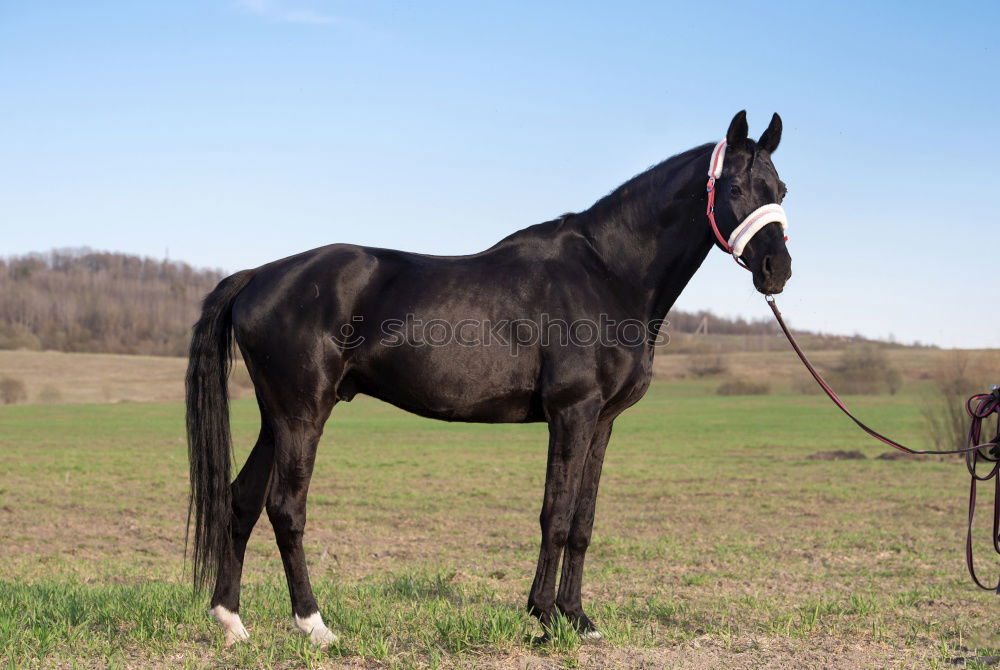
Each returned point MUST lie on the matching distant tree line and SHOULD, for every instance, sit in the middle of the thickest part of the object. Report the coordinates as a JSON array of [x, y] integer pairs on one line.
[[704, 321], [82, 300]]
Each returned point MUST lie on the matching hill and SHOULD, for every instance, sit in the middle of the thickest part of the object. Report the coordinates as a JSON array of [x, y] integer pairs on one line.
[[105, 302]]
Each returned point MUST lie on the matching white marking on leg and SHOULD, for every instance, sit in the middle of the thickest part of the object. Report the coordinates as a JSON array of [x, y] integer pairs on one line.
[[231, 624], [318, 633], [592, 635]]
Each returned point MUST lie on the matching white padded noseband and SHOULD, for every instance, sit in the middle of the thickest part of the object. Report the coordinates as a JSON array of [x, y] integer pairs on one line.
[[760, 217]]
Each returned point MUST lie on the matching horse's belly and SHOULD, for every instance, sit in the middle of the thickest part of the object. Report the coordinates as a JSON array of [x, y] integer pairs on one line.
[[453, 386]]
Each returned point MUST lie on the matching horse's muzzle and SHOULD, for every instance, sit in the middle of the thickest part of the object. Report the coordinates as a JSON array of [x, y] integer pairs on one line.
[[773, 273]]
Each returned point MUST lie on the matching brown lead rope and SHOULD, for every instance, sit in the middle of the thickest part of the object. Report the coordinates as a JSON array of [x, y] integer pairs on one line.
[[986, 404]]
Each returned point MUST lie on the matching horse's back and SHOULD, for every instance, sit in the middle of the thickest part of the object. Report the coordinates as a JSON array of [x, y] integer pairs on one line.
[[340, 319]]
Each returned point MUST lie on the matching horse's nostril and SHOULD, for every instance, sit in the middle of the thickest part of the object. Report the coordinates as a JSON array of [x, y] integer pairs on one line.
[[766, 266]]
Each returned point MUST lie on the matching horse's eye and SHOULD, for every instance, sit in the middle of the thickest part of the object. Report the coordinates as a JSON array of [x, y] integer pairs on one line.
[[735, 190]]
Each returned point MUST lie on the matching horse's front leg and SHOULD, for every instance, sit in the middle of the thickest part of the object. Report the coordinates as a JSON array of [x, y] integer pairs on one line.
[[569, 601], [571, 429]]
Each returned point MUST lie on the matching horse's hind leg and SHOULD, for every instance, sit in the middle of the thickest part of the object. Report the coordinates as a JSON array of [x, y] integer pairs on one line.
[[248, 492], [295, 453]]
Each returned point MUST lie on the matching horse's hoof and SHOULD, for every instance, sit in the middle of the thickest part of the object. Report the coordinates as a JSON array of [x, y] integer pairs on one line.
[[318, 633], [585, 628], [232, 626], [323, 638]]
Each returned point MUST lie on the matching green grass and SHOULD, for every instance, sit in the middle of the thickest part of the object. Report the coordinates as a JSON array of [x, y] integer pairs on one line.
[[712, 524]]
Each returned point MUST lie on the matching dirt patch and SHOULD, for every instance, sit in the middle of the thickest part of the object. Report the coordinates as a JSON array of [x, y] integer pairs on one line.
[[918, 458], [898, 456], [749, 652], [704, 653], [837, 455]]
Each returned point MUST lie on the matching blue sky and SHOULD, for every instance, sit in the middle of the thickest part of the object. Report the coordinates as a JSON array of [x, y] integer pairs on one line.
[[232, 133]]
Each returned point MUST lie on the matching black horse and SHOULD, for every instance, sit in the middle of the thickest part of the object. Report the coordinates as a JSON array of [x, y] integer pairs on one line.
[[322, 326]]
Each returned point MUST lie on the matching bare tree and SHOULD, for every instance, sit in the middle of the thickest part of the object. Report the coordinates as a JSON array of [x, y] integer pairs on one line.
[[944, 413], [103, 302]]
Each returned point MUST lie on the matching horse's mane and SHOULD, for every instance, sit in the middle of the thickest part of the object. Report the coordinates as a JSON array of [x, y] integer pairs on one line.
[[657, 176], [650, 185], [644, 187]]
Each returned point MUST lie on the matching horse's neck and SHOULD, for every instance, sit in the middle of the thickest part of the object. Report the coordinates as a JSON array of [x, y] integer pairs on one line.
[[679, 264], [651, 250]]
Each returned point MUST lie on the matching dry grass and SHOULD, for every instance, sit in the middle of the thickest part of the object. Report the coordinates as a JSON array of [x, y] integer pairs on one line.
[[783, 370], [88, 378], [56, 377], [97, 378]]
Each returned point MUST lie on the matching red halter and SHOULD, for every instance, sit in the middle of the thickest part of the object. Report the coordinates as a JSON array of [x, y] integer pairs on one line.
[[714, 172]]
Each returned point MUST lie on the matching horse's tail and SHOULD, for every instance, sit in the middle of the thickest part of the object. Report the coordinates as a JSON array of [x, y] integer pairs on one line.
[[209, 442]]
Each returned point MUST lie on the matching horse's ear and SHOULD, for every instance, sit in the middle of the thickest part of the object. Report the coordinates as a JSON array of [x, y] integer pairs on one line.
[[772, 136], [738, 129]]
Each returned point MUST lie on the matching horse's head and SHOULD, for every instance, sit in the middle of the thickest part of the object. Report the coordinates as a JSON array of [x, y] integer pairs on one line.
[[748, 182]]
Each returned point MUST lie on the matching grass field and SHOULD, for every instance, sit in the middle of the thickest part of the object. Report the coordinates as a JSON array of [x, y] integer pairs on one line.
[[719, 542]]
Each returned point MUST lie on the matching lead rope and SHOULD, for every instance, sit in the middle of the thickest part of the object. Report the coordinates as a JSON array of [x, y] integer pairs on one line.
[[986, 404]]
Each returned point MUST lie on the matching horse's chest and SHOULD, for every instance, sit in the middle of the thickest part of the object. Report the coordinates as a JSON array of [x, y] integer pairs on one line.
[[628, 381]]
